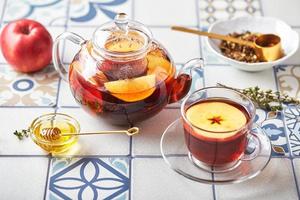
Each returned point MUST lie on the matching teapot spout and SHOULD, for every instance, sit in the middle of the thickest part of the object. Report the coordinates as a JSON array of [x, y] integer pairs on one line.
[[183, 81]]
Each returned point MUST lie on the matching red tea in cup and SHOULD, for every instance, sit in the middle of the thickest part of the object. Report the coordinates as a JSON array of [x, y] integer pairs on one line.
[[216, 130]]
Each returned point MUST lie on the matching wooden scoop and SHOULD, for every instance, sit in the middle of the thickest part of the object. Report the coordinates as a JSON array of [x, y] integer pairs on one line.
[[267, 46], [55, 133]]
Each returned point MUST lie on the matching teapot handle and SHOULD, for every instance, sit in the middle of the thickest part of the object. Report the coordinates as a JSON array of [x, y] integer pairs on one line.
[[183, 80], [58, 64]]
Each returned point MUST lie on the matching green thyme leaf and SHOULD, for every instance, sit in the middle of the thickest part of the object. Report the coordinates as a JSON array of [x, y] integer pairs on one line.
[[21, 134], [266, 99]]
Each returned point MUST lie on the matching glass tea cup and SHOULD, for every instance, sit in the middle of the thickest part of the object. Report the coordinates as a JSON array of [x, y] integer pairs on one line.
[[219, 128]]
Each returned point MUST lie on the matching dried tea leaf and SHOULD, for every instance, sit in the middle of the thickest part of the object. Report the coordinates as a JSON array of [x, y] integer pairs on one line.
[[278, 150], [240, 52]]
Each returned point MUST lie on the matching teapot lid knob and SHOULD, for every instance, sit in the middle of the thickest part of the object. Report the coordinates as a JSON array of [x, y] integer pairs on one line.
[[121, 37], [121, 20]]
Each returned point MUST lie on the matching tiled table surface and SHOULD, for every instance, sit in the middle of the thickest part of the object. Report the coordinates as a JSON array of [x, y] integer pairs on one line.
[[119, 167]]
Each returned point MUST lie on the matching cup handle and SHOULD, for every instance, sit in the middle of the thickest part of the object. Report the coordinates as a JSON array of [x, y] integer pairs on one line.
[[254, 145], [58, 64]]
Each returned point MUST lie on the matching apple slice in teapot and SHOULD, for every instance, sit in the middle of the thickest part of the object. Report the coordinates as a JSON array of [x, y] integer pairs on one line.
[[122, 74]]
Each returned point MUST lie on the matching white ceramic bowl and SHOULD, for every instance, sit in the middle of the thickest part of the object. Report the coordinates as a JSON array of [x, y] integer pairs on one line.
[[289, 38]]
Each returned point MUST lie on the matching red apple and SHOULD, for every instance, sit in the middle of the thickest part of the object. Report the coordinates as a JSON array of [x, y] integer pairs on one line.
[[26, 45]]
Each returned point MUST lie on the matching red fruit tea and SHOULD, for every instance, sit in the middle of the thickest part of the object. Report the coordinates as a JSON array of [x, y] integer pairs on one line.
[[126, 91], [216, 131]]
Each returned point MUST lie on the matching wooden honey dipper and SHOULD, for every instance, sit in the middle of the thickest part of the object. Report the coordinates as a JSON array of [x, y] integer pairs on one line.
[[55, 133]]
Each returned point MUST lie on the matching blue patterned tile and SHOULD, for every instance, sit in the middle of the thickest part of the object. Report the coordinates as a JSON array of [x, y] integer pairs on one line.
[[292, 119], [289, 80], [211, 11], [272, 123], [89, 178], [36, 89], [96, 12], [48, 12]]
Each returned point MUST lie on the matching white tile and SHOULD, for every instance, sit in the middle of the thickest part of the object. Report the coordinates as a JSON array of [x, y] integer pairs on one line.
[[167, 12], [284, 10], [2, 6], [65, 97], [182, 46], [240, 79], [147, 143], [275, 182], [23, 177], [208, 55], [295, 59], [17, 119], [2, 59], [108, 144], [297, 170], [55, 31], [70, 48], [153, 179]]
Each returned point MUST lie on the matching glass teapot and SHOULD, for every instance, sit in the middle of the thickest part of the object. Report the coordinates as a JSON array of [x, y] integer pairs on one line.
[[122, 74]]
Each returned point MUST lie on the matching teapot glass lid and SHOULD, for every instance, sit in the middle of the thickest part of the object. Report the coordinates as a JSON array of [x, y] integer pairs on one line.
[[122, 36]]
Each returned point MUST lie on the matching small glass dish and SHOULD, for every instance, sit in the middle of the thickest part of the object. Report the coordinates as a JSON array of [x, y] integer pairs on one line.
[[65, 123]]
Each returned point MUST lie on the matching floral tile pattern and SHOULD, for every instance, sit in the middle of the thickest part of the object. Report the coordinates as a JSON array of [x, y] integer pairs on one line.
[[54, 12], [213, 10], [272, 124], [96, 12], [289, 80], [292, 119], [89, 178], [37, 89]]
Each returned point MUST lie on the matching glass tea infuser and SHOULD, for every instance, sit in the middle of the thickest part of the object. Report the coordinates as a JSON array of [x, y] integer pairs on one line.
[[122, 74]]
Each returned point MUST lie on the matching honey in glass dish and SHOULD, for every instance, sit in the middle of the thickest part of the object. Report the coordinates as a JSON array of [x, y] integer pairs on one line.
[[66, 125], [216, 133], [125, 89]]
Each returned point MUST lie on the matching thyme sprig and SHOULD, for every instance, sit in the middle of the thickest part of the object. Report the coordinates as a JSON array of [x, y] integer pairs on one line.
[[22, 134], [265, 99]]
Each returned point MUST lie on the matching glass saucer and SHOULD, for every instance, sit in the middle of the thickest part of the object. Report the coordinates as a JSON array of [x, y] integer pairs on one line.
[[176, 155]]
